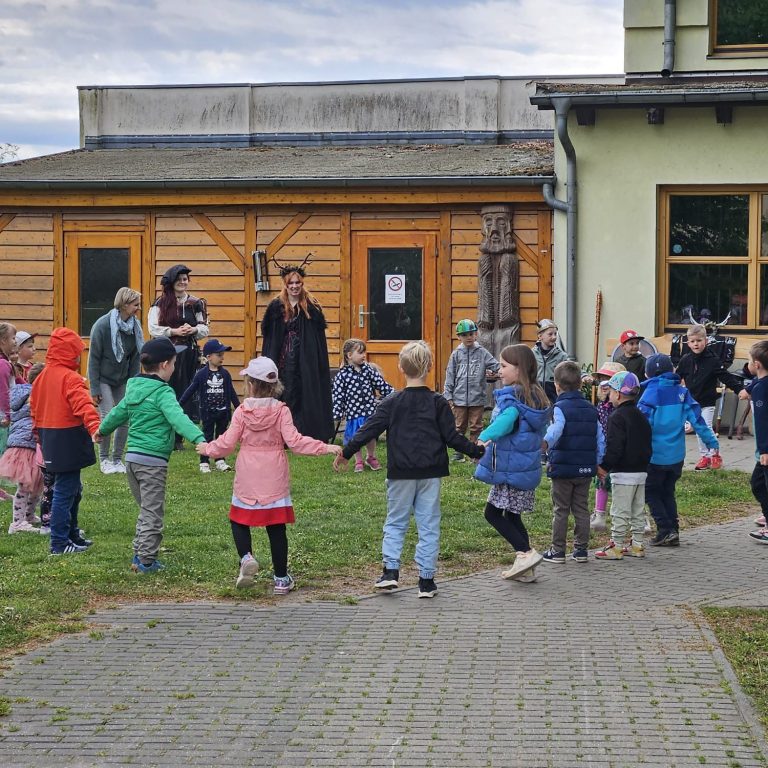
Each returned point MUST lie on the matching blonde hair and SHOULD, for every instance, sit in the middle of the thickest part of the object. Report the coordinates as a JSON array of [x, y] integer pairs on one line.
[[416, 359], [259, 388], [530, 390], [697, 330], [7, 330], [125, 296], [350, 345]]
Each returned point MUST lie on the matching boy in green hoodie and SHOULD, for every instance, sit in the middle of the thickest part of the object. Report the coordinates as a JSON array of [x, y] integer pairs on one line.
[[154, 418]]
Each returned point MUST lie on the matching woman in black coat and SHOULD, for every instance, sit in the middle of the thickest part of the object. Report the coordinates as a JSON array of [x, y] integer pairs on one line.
[[293, 330]]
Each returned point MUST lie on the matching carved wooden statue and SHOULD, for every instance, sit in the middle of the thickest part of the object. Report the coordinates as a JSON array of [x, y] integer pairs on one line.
[[498, 297]]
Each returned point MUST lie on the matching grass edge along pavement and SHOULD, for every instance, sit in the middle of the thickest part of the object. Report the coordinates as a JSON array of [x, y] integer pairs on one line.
[[334, 547]]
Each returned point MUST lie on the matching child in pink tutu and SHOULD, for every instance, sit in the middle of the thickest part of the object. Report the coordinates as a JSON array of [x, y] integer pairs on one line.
[[19, 462], [7, 340]]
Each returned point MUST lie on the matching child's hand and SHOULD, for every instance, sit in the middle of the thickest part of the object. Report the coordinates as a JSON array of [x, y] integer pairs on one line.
[[601, 474], [96, 437], [201, 448], [764, 459], [484, 443], [744, 395], [544, 446], [340, 463], [335, 449], [5, 422]]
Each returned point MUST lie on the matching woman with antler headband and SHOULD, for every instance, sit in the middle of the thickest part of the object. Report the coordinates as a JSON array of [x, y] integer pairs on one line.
[[293, 328], [183, 319]]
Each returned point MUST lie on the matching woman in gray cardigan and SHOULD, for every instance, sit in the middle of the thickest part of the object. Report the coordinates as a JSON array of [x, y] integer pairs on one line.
[[116, 341]]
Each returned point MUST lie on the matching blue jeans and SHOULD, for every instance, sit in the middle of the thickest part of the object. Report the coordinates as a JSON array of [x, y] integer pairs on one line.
[[423, 496], [67, 492], [660, 495]]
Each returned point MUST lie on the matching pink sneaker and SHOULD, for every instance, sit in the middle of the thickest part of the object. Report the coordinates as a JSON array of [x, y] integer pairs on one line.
[[373, 463], [359, 466], [760, 521]]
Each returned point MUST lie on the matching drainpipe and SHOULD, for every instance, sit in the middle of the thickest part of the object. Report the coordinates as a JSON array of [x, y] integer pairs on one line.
[[562, 107], [670, 22]]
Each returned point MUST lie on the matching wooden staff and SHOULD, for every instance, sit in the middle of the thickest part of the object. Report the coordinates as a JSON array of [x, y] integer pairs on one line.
[[596, 349]]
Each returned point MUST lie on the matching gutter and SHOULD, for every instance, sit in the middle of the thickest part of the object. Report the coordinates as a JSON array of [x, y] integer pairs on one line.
[[670, 22], [646, 96], [569, 207]]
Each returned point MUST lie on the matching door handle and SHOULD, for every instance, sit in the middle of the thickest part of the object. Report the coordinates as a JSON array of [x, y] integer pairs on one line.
[[361, 313]]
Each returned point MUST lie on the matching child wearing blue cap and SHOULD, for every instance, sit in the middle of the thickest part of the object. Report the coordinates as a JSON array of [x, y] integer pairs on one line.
[[213, 387]]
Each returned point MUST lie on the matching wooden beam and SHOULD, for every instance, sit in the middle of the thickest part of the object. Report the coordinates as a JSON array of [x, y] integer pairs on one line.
[[289, 230], [221, 240], [444, 329], [249, 332], [58, 270], [544, 270], [345, 276], [148, 268], [525, 251], [6, 219]]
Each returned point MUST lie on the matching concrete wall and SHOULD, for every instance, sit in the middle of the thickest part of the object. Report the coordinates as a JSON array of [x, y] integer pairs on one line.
[[644, 37], [455, 110], [621, 163]]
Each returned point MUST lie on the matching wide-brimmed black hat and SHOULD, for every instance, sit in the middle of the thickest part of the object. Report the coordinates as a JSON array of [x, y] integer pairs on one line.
[[172, 275]]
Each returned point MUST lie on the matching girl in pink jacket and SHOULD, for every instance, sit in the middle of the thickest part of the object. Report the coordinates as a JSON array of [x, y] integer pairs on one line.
[[261, 496]]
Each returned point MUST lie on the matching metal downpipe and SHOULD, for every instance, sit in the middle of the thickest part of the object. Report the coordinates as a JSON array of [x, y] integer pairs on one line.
[[670, 24]]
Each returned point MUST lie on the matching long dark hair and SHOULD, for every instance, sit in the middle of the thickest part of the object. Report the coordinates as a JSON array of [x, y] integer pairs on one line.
[[529, 390]]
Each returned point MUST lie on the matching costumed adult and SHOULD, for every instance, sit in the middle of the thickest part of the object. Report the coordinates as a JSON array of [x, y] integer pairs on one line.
[[293, 328], [113, 358], [183, 319]]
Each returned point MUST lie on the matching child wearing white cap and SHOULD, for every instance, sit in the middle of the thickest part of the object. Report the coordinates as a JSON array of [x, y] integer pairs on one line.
[[548, 354], [261, 496], [25, 346]]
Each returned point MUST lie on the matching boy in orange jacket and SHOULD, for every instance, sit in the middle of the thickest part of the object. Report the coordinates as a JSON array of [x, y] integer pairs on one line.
[[67, 424]]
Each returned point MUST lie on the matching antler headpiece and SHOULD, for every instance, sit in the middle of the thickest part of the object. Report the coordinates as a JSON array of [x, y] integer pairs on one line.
[[287, 269]]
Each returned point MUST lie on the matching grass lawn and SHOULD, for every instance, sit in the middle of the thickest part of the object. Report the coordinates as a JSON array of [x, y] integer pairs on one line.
[[743, 636], [334, 547]]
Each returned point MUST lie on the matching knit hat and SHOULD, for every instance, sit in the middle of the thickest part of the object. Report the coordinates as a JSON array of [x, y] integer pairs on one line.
[[159, 350], [261, 368], [625, 383], [609, 368], [545, 325], [657, 364], [629, 335]]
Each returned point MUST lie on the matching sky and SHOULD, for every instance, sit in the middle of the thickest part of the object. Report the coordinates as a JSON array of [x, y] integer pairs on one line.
[[49, 47]]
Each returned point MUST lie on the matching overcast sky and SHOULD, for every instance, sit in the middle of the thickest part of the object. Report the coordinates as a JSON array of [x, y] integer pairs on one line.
[[49, 47]]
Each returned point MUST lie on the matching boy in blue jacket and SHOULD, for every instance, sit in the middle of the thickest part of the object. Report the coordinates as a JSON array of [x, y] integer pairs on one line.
[[758, 364], [668, 405]]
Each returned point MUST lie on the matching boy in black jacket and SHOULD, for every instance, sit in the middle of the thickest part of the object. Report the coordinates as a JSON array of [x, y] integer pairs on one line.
[[419, 425], [758, 364], [627, 455], [701, 369]]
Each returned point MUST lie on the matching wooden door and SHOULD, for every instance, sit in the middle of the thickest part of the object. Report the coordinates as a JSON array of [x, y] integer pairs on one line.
[[95, 267], [394, 295]]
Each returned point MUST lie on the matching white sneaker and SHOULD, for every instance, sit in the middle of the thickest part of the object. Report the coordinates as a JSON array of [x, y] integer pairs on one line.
[[118, 467], [597, 521], [222, 465], [524, 562], [205, 468], [528, 577], [107, 467], [248, 569], [34, 520], [22, 527]]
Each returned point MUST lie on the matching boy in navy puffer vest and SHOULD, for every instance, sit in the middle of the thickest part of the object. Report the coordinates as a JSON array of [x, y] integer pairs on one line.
[[575, 444]]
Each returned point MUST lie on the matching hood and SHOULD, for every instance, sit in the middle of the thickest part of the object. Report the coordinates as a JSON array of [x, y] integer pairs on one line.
[[536, 418], [664, 380], [64, 348], [139, 388], [262, 412], [19, 396], [475, 345]]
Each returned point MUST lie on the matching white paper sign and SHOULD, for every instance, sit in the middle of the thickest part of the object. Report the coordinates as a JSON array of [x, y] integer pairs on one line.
[[394, 289]]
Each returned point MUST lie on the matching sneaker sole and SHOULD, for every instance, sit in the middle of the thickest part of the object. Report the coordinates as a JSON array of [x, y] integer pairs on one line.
[[386, 585], [513, 574], [527, 578], [556, 560], [283, 590], [759, 539], [427, 594], [246, 578], [580, 559]]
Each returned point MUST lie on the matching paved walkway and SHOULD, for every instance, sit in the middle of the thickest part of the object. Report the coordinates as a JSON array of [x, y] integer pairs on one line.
[[599, 664]]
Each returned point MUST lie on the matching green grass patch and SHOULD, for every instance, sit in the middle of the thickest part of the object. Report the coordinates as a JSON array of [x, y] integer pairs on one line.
[[334, 547], [743, 636]]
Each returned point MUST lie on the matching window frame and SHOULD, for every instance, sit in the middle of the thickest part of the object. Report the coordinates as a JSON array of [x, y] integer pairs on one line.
[[754, 258], [739, 49]]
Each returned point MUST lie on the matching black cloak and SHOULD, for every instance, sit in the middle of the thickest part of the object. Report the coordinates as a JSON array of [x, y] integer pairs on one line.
[[312, 414]]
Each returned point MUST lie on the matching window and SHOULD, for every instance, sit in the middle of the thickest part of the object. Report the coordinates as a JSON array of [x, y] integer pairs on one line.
[[715, 258], [739, 25]]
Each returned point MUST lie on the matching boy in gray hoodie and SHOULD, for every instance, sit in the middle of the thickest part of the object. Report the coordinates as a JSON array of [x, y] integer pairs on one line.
[[469, 368]]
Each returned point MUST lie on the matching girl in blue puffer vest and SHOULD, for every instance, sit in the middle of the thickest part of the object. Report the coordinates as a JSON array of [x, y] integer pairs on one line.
[[512, 460]]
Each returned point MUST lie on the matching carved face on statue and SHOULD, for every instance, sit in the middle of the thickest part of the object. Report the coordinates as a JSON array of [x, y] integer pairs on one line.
[[497, 232]]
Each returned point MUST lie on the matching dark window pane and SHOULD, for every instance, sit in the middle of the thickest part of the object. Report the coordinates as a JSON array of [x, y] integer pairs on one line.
[[394, 320], [764, 227], [102, 272], [716, 289], [708, 225], [742, 22], [763, 294]]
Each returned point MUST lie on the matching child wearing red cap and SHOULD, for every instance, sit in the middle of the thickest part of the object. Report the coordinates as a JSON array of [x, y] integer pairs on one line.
[[631, 358]]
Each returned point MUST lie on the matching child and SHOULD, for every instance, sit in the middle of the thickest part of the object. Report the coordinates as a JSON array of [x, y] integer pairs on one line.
[[604, 410], [758, 366], [575, 444], [627, 454], [667, 406], [25, 343], [67, 425], [18, 373], [154, 418], [513, 466], [354, 390], [419, 425], [631, 358], [548, 354], [213, 386], [261, 496], [700, 370], [469, 367], [19, 463]]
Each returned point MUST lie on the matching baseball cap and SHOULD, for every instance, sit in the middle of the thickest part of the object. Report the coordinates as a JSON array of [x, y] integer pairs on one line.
[[159, 350], [628, 335], [608, 368], [465, 326], [261, 368], [657, 364], [23, 336], [214, 345], [625, 383]]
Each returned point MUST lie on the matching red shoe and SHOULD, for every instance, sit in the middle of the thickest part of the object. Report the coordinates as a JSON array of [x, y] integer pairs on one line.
[[716, 461], [373, 463], [704, 463]]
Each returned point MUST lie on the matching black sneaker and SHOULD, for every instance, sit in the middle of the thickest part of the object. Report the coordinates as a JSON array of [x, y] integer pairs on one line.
[[81, 541], [389, 579], [553, 556], [672, 540], [427, 588], [69, 549], [580, 555], [659, 539]]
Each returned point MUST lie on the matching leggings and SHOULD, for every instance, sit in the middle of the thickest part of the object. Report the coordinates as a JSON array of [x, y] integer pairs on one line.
[[510, 526], [278, 544]]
